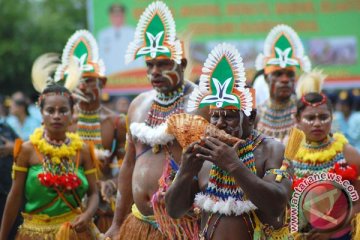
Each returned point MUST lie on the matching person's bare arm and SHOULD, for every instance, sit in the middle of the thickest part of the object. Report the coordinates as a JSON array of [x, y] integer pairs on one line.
[[109, 187], [180, 196], [16, 195], [352, 156], [124, 200], [256, 188], [121, 136], [81, 222]]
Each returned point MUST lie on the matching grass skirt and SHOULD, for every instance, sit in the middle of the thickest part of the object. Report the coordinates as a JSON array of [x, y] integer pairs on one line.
[[103, 221], [43, 227], [136, 229]]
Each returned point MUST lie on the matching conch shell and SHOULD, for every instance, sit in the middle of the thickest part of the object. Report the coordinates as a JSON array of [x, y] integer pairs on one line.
[[213, 131], [190, 128]]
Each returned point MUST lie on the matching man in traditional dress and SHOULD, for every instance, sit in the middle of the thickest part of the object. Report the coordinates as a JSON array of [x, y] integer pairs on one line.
[[152, 156], [95, 123], [283, 53], [239, 198]]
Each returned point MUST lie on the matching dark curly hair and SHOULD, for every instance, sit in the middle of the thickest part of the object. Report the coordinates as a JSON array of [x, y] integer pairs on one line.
[[57, 89], [312, 98]]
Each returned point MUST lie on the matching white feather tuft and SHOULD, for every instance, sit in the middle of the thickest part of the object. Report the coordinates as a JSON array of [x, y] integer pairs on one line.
[[310, 82], [43, 67], [102, 154], [229, 207], [260, 62], [151, 136], [306, 64], [59, 73], [74, 75]]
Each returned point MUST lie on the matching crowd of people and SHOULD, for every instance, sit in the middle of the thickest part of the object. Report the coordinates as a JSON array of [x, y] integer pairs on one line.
[[73, 168]]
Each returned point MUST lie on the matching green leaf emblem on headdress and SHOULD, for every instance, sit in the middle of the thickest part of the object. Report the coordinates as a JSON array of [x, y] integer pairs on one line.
[[221, 87], [155, 35], [82, 47], [283, 48], [222, 83]]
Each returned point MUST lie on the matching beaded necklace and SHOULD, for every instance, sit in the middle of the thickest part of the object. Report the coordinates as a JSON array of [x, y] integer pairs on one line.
[[276, 120], [319, 157], [58, 165], [222, 194], [165, 105], [56, 143], [89, 127]]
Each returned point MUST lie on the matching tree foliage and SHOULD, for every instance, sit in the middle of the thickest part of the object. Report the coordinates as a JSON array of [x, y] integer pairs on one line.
[[29, 28]]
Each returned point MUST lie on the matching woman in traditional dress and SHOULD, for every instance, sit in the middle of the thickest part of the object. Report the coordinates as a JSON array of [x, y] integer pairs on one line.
[[322, 151], [53, 171]]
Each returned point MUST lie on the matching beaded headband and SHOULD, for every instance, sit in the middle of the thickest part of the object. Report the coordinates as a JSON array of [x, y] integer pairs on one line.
[[307, 103], [282, 48], [44, 95], [311, 82]]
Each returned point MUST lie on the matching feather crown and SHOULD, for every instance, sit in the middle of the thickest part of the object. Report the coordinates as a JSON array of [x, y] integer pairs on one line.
[[155, 35], [222, 82], [283, 48], [83, 49]]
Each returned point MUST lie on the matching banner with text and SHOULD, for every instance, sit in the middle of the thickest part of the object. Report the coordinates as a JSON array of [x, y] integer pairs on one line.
[[328, 28]]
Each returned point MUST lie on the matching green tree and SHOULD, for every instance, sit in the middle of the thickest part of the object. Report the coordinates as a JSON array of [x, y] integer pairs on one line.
[[29, 28]]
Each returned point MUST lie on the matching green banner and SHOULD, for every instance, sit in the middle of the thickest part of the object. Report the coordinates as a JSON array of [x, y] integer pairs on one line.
[[329, 28]]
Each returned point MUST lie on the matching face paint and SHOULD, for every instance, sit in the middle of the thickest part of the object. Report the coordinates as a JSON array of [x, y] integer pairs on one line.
[[228, 120], [310, 120], [164, 75], [172, 75], [90, 89], [56, 113], [281, 84], [61, 111]]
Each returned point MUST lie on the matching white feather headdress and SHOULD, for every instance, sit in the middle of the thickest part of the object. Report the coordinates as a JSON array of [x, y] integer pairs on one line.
[[155, 35], [83, 49], [222, 82], [283, 48]]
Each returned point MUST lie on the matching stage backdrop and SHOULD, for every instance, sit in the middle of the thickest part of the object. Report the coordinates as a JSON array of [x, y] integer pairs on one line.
[[328, 28]]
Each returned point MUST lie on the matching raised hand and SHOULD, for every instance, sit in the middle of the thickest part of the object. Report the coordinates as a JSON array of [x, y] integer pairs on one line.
[[219, 153], [190, 164], [107, 189]]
